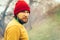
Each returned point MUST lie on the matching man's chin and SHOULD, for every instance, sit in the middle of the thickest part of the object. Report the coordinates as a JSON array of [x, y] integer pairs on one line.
[[25, 21]]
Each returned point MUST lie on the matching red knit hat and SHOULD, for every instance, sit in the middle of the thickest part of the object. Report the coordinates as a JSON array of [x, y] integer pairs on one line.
[[21, 6]]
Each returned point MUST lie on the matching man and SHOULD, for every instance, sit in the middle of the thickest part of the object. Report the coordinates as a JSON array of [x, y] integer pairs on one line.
[[15, 29]]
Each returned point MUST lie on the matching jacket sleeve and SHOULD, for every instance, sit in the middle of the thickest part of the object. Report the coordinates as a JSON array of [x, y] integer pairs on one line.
[[24, 35], [12, 33]]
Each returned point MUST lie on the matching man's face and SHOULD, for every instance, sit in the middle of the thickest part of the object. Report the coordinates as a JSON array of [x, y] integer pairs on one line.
[[23, 16]]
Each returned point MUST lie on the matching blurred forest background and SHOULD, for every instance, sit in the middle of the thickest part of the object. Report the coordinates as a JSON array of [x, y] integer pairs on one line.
[[44, 20]]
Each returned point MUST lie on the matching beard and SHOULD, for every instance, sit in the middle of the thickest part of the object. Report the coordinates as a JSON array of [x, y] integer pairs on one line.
[[20, 20]]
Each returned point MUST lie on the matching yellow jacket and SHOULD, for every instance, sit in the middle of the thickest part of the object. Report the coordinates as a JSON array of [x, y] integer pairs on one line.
[[15, 31]]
